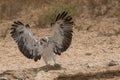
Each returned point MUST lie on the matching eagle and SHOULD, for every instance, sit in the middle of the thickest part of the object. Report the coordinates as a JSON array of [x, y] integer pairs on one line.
[[47, 47]]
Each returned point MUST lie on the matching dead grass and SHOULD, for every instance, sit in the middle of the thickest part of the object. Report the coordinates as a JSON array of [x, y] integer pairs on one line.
[[12, 9], [43, 12], [58, 7], [117, 11], [98, 8]]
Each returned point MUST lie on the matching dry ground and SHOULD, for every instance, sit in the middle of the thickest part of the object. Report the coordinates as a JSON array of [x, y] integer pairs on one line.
[[91, 56]]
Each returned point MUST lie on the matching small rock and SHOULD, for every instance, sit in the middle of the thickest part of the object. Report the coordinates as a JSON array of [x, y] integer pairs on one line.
[[89, 65], [88, 54], [3, 78], [113, 63]]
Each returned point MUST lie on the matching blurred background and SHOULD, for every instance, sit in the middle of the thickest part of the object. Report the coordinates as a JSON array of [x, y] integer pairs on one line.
[[95, 45], [12, 9], [40, 13]]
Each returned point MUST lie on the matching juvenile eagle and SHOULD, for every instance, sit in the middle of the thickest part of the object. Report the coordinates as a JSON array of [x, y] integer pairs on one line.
[[47, 47]]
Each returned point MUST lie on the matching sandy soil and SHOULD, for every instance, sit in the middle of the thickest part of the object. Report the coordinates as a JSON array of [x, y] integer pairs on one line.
[[91, 56]]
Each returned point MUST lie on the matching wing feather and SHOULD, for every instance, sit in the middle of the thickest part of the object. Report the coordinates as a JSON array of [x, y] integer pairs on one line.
[[25, 40], [62, 33]]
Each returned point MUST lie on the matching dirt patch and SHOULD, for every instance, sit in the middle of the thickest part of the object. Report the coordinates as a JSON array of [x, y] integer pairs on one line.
[[109, 74], [91, 56]]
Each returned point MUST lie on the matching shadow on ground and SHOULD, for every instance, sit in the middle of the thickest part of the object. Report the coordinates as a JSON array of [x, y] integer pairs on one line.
[[28, 74], [91, 76]]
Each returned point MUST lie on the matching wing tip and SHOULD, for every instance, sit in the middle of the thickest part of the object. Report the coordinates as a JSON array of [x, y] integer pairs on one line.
[[64, 16], [61, 15]]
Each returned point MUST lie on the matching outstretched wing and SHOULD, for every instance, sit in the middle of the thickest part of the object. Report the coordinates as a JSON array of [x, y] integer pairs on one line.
[[24, 38], [62, 31]]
